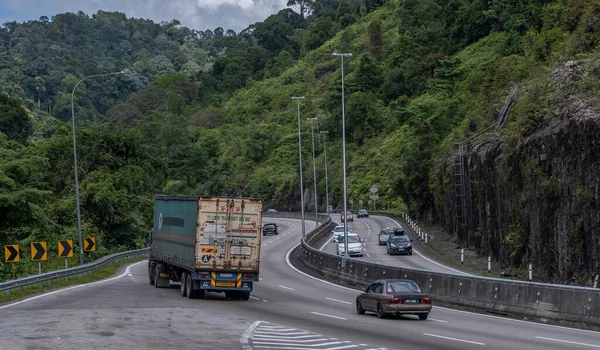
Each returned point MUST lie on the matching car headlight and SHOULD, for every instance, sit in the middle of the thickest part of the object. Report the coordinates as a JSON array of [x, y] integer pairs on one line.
[[392, 245]]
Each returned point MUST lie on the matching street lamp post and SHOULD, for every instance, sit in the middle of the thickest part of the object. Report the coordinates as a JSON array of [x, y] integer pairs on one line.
[[298, 98], [75, 159], [324, 133], [312, 133], [342, 55]]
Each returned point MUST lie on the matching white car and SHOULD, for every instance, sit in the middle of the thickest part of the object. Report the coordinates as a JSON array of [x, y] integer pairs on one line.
[[339, 231], [355, 246]]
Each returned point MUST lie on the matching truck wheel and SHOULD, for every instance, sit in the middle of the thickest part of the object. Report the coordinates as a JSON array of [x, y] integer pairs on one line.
[[183, 288], [190, 293], [244, 295], [200, 293], [150, 275]]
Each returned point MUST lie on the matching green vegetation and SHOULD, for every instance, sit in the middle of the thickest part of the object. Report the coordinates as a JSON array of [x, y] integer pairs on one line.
[[210, 113]]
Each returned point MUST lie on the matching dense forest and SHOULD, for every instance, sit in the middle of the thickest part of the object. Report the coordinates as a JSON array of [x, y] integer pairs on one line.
[[210, 113]]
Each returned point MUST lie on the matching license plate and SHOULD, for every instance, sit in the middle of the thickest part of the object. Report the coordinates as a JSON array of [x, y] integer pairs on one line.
[[225, 283], [410, 301], [226, 275]]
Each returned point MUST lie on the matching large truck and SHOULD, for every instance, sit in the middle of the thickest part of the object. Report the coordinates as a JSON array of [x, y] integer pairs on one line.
[[208, 244]]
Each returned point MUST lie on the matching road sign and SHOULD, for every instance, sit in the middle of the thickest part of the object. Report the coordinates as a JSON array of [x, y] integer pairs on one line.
[[374, 196], [360, 201], [11, 253], [38, 251], [351, 201], [89, 244], [373, 189], [369, 202], [65, 249]]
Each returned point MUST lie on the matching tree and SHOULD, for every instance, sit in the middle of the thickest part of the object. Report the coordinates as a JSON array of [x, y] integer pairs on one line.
[[376, 36], [368, 77], [15, 122], [302, 7]]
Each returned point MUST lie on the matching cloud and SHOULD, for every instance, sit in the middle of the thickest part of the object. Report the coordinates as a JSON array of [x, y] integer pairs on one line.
[[195, 14]]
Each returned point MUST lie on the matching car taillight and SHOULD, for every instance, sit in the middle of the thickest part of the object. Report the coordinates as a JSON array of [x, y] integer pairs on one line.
[[248, 276], [395, 300], [425, 300]]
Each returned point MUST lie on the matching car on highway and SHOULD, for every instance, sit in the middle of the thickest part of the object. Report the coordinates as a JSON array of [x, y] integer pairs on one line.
[[272, 211], [355, 246], [339, 231], [348, 215], [270, 228], [399, 230], [362, 213], [384, 234], [399, 244], [394, 297]]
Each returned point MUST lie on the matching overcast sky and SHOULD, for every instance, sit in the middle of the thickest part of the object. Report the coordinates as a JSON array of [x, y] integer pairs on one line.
[[195, 14]]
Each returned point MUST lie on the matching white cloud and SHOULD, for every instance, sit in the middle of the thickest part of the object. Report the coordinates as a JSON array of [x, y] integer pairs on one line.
[[196, 14]]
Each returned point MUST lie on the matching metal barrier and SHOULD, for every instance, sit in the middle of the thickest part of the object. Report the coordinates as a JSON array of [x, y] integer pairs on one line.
[[78, 271]]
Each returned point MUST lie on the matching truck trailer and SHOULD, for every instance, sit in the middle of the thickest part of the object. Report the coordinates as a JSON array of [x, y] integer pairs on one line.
[[207, 244]]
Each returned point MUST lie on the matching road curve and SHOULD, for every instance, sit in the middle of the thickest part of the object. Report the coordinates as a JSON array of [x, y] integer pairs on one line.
[[368, 228], [288, 310]]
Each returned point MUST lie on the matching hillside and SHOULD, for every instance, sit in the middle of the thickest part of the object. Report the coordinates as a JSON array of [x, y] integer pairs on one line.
[[423, 76]]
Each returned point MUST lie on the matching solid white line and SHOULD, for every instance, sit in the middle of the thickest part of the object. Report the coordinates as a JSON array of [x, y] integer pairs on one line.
[[570, 342], [426, 258], [326, 243], [73, 287], [339, 301], [293, 348], [272, 333], [247, 334], [455, 339], [326, 315], [284, 287], [436, 320], [253, 297], [307, 345]]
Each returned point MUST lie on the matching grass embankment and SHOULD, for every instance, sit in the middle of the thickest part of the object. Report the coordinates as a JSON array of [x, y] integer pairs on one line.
[[99, 274]]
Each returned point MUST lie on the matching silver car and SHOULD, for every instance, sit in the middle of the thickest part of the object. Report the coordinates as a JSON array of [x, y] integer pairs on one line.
[[384, 234], [339, 231], [355, 246]]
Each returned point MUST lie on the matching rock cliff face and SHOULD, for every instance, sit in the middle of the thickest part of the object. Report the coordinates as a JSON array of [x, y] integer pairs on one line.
[[537, 200]]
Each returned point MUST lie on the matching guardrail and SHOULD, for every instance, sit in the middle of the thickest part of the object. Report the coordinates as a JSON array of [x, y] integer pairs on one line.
[[77, 271], [548, 303]]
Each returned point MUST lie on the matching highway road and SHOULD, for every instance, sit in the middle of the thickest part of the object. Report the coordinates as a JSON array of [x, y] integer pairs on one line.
[[368, 228], [288, 310]]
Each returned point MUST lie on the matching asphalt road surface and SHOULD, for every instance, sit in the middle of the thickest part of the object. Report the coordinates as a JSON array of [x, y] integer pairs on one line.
[[288, 310], [368, 228]]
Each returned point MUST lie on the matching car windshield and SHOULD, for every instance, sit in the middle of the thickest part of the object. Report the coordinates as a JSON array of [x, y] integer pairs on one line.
[[403, 287], [339, 229], [269, 225], [398, 239], [351, 239], [385, 232]]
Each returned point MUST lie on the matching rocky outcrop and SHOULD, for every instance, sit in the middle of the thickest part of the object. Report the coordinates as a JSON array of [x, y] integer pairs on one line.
[[537, 200]]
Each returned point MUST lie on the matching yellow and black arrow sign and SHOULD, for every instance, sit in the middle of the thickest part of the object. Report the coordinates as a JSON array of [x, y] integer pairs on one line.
[[11, 253], [65, 249], [38, 251], [89, 244]]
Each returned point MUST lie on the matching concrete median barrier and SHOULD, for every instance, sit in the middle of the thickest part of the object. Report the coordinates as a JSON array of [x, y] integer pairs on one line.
[[556, 304]]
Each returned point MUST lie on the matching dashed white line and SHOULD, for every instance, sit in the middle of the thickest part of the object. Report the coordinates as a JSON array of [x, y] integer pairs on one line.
[[253, 297], [570, 342], [284, 287], [339, 301], [436, 320], [455, 339], [326, 315]]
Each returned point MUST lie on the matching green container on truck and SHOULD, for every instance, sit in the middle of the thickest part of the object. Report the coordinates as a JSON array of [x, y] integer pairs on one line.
[[207, 244]]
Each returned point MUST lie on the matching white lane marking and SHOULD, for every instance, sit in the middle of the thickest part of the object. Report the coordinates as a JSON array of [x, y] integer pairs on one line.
[[339, 301], [284, 287], [260, 278], [326, 315], [368, 255], [268, 333], [570, 342], [287, 259], [436, 320], [74, 287], [246, 336], [426, 258], [326, 243], [253, 297], [455, 339]]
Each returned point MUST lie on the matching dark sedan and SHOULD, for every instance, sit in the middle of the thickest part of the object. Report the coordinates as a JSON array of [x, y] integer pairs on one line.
[[399, 245], [270, 229], [394, 297], [362, 213]]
